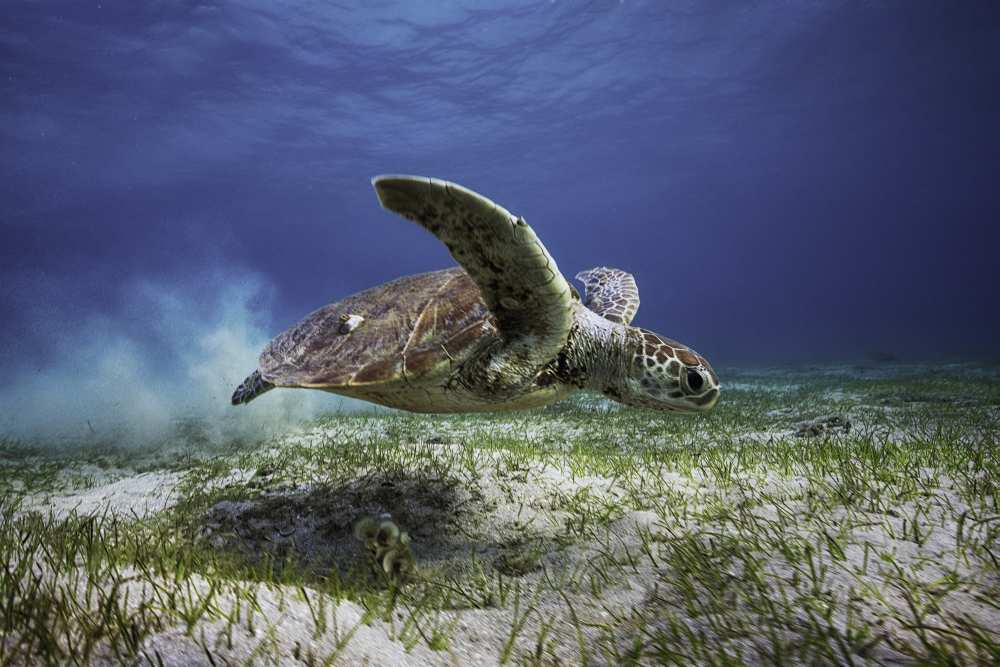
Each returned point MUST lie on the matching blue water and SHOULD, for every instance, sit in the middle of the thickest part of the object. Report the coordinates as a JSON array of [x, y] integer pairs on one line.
[[789, 182]]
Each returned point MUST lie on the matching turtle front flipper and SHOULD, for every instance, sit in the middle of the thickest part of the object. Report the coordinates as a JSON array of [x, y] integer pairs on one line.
[[611, 293], [519, 280]]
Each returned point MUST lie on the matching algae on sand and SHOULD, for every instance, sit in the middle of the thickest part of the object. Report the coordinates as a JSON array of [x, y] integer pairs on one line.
[[556, 536]]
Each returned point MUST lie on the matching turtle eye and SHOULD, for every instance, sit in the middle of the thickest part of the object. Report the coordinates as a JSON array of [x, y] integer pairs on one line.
[[695, 380]]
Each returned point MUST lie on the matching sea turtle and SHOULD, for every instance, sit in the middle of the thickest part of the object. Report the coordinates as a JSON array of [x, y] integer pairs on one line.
[[502, 331]]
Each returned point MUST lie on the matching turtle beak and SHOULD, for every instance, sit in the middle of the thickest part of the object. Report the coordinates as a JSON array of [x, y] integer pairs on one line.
[[712, 398], [702, 392]]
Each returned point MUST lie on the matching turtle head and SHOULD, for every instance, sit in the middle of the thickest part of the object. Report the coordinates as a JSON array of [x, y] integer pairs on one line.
[[666, 375]]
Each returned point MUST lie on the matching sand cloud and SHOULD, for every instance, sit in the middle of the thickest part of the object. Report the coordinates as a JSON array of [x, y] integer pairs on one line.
[[166, 354]]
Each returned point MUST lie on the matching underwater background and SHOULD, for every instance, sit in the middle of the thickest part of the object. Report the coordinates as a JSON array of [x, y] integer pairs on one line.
[[805, 191], [790, 182]]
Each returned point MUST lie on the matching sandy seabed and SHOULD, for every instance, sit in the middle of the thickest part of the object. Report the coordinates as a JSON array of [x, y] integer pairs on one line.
[[832, 515]]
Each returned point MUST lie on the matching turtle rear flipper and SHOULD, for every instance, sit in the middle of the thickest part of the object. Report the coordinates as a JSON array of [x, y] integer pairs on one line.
[[251, 388]]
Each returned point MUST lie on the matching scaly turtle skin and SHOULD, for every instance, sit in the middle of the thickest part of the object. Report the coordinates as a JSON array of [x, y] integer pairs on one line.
[[504, 331]]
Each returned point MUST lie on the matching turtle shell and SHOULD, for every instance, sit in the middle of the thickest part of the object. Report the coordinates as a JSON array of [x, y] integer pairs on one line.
[[410, 328]]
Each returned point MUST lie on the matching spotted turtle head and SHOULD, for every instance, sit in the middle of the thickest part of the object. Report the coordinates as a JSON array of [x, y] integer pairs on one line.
[[667, 375]]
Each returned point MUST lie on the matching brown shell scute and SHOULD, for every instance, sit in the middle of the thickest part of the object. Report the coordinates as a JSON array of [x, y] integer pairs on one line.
[[411, 326]]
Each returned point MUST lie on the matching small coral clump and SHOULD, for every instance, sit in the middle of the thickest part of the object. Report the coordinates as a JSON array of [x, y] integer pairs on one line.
[[388, 546]]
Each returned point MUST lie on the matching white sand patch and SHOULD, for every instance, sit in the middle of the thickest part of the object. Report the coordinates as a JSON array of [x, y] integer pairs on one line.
[[137, 495], [284, 626], [761, 386]]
